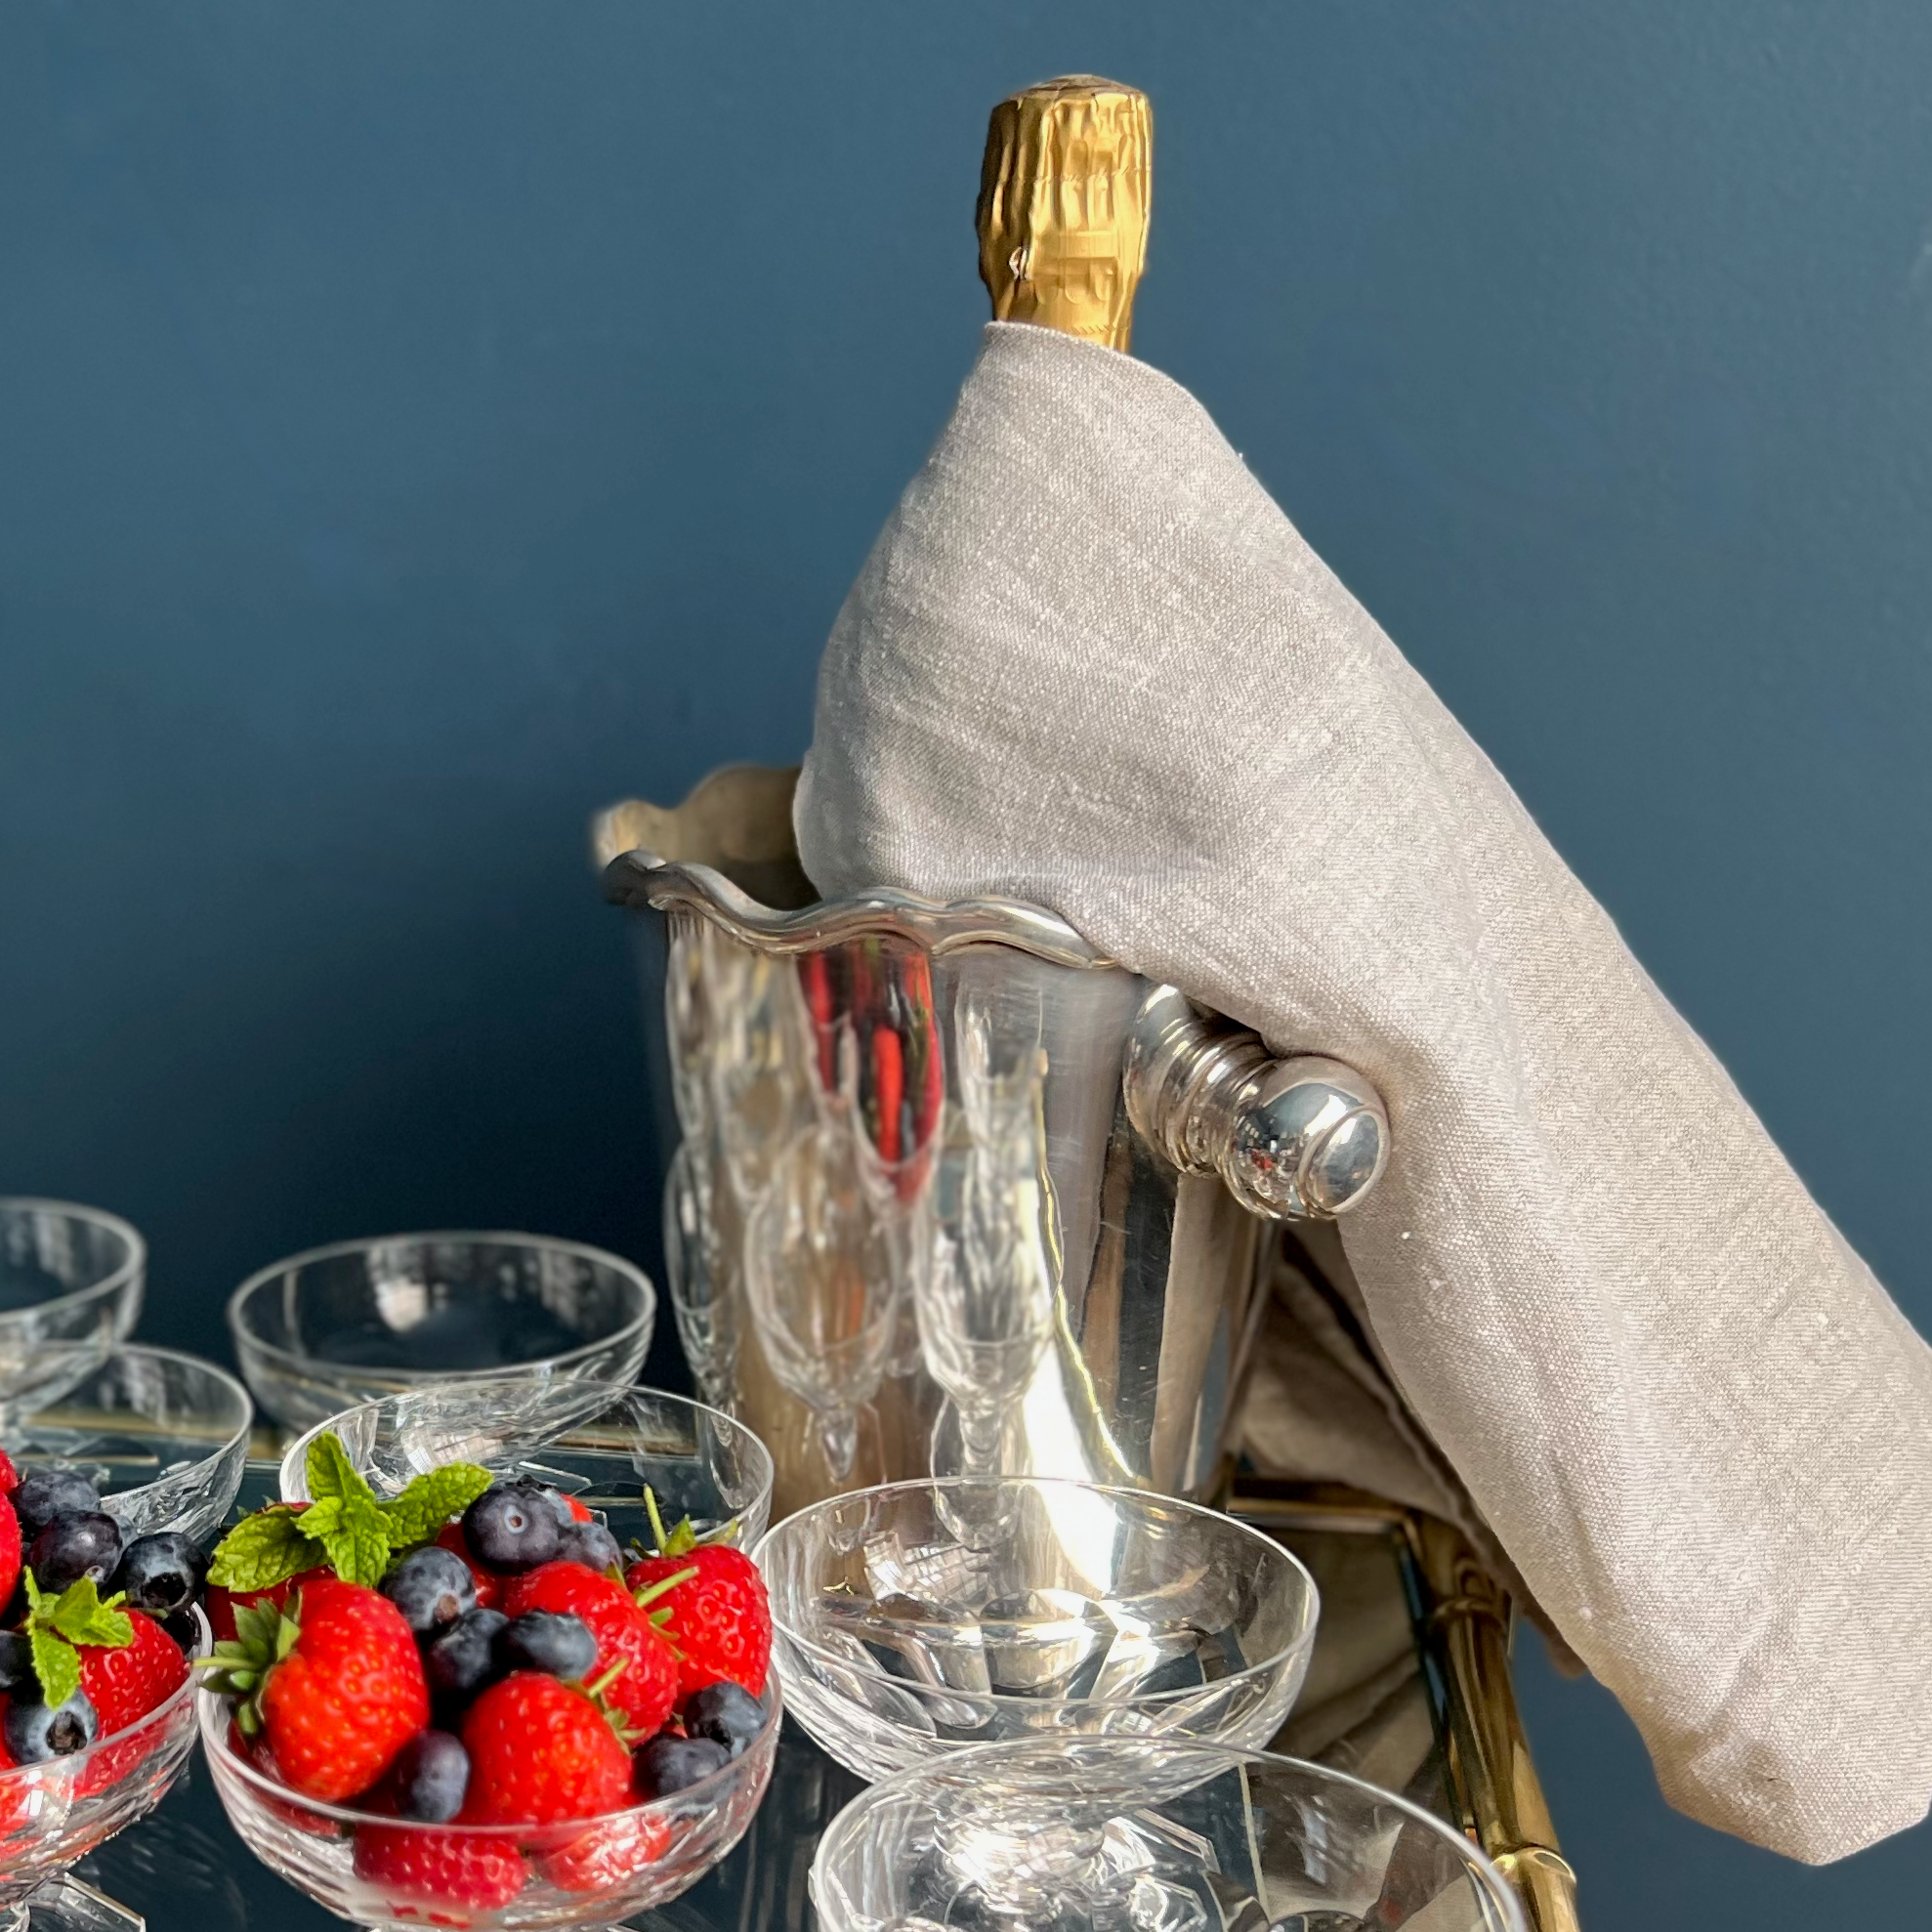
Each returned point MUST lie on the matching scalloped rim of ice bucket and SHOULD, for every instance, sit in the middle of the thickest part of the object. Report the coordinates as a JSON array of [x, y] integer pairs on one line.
[[743, 812], [640, 879]]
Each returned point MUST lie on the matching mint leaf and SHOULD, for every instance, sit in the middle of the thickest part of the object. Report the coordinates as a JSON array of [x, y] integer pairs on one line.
[[431, 1500], [345, 1517], [57, 1664], [263, 1550], [54, 1624], [331, 1474], [353, 1533], [78, 1615]]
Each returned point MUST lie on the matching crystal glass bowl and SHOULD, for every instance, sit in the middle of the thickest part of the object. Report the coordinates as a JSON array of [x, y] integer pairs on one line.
[[1144, 1837], [70, 1286], [162, 1436], [917, 1618], [54, 1814], [605, 1446], [361, 1320], [593, 1871]]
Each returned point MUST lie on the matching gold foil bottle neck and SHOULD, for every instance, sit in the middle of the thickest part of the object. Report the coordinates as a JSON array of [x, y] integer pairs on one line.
[[1064, 202]]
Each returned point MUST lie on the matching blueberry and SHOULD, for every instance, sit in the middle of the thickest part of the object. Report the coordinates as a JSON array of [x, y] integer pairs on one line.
[[727, 1713], [673, 1764], [460, 1661], [45, 1494], [34, 1734], [592, 1545], [16, 1659], [71, 1547], [180, 1627], [549, 1641], [559, 1506], [430, 1776], [512, 1528], [162, 1573], [431, 1587]]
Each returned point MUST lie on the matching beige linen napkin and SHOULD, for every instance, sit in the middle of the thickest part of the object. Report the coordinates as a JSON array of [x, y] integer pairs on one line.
[[1090, 663]]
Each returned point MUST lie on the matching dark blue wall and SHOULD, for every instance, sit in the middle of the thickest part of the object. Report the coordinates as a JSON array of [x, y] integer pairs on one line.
[[422, 424]]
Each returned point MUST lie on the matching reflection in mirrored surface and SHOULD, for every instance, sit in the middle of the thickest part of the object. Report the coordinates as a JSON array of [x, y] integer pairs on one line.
[[917, 1230], [1123, 1836]]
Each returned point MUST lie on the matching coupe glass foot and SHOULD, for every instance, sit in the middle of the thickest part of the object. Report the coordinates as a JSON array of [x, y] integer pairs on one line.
[[67, 1904]]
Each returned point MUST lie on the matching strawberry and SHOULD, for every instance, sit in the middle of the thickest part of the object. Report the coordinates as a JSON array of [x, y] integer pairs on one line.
[[124, 1684], [15, 1804], [645, 1690], [298, 1817], [10, 1476], [9, 1549], [607, 1854], [489, 1585], [333, 1680], [541, 1751], [416, 1865], [710, 1603]]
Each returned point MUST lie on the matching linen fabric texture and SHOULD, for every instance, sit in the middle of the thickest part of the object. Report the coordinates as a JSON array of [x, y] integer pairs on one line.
[[1090, 663]]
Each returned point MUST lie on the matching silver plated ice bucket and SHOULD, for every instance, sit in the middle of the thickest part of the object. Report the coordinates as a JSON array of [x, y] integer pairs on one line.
[[951, 1192]]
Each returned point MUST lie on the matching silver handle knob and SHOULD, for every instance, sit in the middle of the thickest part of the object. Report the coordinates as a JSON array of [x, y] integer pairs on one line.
[[1298, 1139]]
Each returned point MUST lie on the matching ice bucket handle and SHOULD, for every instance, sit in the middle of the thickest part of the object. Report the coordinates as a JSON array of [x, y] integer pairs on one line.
[[1295, 1139]]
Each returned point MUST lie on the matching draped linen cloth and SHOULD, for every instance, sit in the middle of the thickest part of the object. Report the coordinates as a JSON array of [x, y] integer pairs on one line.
[[1090, 663]]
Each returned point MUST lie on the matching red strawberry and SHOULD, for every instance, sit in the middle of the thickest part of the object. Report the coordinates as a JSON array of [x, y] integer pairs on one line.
[[541, 1751], [298, 1817], [15, 1804], [10, 1547], [607, 1854], [645, 1690], [124, 1684], [489, 1585], [10, 1479], [720, 1620], [340, 1686], [415, 1864]]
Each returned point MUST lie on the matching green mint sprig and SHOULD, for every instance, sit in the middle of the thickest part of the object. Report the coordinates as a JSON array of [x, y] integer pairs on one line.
[[345, 1525], [55, 1625]]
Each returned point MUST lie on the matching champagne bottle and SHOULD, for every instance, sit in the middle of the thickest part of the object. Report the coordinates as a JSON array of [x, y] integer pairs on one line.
[[1063, 213]]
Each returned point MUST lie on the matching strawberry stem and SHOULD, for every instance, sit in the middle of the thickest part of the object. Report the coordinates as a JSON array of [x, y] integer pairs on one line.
[[650, 1593], [657, 1520]]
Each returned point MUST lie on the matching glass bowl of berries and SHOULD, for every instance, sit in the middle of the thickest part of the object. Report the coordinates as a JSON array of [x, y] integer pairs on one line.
[[451, 1694], [155, 1439], [361, 1320], [71, 1287], [917, 1618], [96, 1717]]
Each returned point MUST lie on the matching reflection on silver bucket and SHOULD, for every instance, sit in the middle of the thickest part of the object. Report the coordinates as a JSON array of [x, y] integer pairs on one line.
[[953, 1194]]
